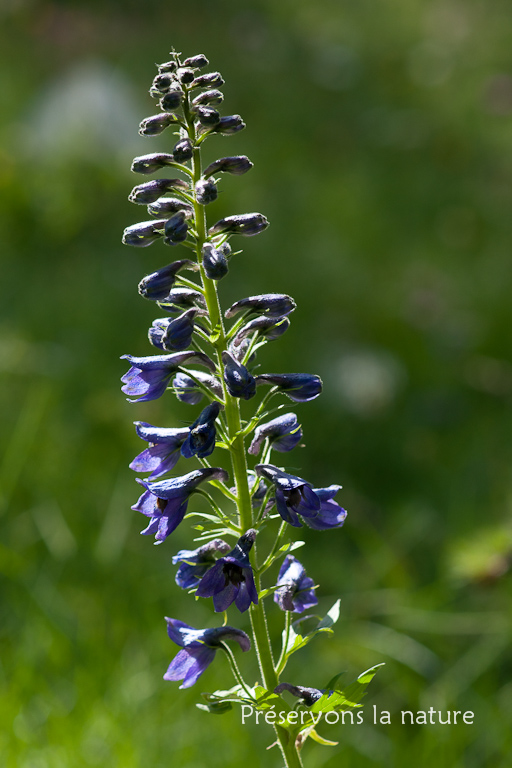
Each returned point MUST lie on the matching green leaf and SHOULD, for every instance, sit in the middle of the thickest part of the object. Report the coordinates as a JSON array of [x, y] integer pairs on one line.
[[320, 739], [297, 640], [216, 707], [342, 700]]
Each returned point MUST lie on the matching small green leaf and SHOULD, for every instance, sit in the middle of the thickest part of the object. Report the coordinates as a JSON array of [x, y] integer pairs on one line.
[[320, 739], [216, 707]]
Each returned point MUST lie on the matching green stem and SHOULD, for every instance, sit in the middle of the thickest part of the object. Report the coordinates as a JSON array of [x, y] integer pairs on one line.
[[237, 452]]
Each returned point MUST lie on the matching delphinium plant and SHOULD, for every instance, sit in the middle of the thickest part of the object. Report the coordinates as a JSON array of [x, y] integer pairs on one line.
[[205, 356]]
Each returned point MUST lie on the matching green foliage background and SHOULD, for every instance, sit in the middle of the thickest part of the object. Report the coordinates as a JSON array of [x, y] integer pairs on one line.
[[381, 134]]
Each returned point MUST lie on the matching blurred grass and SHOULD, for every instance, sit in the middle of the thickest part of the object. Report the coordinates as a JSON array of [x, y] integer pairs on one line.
[[381, 136]]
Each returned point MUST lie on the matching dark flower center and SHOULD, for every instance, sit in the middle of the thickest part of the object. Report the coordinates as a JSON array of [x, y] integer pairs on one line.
[[233, 573], [161, 504], [293, 498]]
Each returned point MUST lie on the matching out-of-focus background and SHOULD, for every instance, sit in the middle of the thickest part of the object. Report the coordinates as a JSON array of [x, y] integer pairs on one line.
[[382, 140]]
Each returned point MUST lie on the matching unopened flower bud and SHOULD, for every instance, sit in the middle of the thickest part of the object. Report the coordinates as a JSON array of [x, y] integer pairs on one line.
[[214, 262], [238, 380], [224, 248], [236, 165], [183, 150], [178, 333], [206, 191], [229, 124], [180, 298], [157, 285], [151, 163], [208, 97], [172, 99], [207, 116], [176, 229], [150, 191], [163, 82], [270, 304], [167, 206], [208, 80], [143, 234], [198, 62], [185, 75], [242, 224], [156, 124], [167, 66]]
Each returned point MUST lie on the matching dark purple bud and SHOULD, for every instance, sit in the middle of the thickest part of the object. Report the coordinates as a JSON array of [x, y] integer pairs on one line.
[[229, 124], [156, 124], [270, 304], [308, 695], [269, 327], [168, 205], [182, 297], [284, 433], [185, 75], [143, 234], [176, 229], [198, 62], [208, 97], [237, 165], [206, 191], [183, 150], [172, 99], [239, 381], [207, 116], [201, 438], [247, 224], [187, 390], [157, 285], [151, 163], [300, 387], [150, 191], [178, 333], [208, 80], [163, 82], [167, 66], [214, 262]]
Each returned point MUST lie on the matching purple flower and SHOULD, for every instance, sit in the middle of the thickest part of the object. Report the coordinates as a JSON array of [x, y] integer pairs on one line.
[[300, 387], [270, 304], [294, 496], [201, 438], [330, 515], [231, 578], [148, 377], [198, 647], [188, 391], [284, 433], [229, 125], [163, 449], [209, 80], [195, 562], [165, 501], [166, 206], [295, 591], [308, 695], [157, 285], [239, 381]]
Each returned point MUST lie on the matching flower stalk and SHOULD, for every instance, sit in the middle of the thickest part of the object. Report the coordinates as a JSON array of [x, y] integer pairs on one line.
[[197, 334]]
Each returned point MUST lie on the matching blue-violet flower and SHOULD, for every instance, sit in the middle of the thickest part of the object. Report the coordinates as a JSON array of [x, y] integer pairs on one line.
[[231, 578], [295, 591]]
